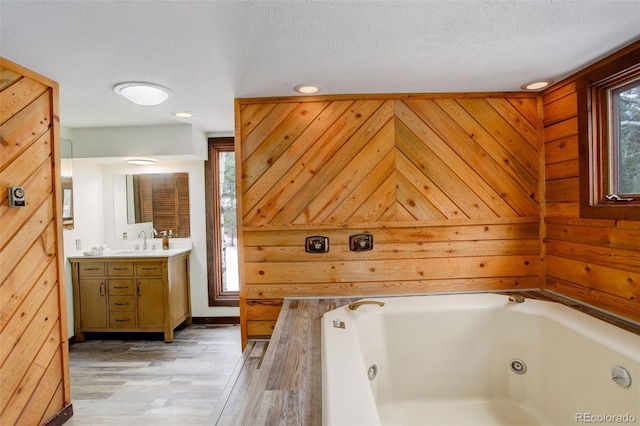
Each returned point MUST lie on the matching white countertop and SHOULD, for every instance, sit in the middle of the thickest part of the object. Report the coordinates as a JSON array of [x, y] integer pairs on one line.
[[116, 253]]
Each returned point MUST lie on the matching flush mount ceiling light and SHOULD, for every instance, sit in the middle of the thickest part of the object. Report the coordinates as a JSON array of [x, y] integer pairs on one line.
[[536, 85], [183, 114], [141, 93], [307, 89], [141, 161]]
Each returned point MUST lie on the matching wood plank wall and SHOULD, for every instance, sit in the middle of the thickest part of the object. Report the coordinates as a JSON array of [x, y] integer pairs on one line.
[[593, 261], [34, 363], [448, 185]]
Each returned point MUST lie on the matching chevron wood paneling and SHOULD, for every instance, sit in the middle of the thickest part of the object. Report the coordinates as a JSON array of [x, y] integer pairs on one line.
[[394, 166], [33, 330], [388, 160]]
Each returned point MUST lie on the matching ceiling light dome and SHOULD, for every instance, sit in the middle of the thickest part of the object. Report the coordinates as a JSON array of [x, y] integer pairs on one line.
[[143, 161], [307, 89], [536, 85], [184, 114], [141, 93]]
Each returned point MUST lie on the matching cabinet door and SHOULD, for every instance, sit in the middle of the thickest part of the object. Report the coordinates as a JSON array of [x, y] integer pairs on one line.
[[150, 302], [93, 303]]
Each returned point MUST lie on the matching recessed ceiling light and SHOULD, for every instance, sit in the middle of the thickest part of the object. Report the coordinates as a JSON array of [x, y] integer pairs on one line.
[[184, 114], [147, 94], [536, 85], [141, 161], [307, 89]]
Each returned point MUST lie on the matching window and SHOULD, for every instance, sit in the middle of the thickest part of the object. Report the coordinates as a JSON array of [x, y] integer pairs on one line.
[[609, 127], [222, 256], [625, 139]]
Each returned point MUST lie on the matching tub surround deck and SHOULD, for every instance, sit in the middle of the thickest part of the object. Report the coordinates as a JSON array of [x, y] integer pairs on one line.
[[281, 382]]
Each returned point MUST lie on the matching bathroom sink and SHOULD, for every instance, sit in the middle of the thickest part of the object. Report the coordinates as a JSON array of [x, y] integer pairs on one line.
[[139, 252]]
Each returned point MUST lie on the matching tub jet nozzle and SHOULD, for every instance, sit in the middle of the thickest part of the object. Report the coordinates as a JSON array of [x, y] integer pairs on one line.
[[372, 372], [518, 366], [621, 376]]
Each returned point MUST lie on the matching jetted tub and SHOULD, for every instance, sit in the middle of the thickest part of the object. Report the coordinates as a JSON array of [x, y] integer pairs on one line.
[[476, 359]]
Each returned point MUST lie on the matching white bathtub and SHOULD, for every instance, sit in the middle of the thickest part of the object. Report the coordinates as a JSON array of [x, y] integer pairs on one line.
[[446, 360]]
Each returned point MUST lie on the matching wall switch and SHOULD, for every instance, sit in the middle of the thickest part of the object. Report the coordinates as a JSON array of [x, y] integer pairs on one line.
[[361, 242], [316, 244], [78, 244], [17, 196], [124, 235]]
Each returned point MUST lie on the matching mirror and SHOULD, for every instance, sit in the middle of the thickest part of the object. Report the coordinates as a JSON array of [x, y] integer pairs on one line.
[[67, 202], [158, 200], [66, 181]]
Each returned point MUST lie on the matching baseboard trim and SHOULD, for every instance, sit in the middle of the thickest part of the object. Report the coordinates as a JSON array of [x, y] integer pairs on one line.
[[216, 320], [60, 417]]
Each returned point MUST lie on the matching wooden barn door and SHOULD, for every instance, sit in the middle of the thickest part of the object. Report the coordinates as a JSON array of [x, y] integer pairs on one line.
[[34, 359]]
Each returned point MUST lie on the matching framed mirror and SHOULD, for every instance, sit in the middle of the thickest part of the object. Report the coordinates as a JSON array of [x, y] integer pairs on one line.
[[157, 200], [66, 181], [67, 202]]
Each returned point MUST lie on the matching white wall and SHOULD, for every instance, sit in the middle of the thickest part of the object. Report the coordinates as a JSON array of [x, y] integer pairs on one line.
[[88, 219], [133, 141]]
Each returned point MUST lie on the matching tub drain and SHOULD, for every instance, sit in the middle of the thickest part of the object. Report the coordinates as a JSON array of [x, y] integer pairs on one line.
[[372, 372], [518, 366]]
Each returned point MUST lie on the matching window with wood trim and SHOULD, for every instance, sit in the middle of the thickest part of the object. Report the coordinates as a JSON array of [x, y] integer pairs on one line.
[[222, 258], [609, 121]]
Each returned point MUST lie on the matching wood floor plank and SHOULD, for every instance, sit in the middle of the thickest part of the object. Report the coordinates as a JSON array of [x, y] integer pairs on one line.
[[143, 380]]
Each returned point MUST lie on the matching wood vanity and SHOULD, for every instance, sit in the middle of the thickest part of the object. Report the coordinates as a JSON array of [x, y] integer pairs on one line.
[[131, 292]]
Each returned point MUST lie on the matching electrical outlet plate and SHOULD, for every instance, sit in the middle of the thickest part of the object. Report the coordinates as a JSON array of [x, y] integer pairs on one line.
[[316, 244], [361, 242]]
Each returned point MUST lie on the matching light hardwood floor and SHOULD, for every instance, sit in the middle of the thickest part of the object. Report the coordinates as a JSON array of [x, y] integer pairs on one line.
[[136, 381]]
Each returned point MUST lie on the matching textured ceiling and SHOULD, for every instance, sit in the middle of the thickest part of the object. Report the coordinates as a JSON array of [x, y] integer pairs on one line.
[[210, 52]]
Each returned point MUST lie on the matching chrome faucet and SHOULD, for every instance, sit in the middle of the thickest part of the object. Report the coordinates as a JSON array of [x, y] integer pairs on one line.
[[517, 299], [355, 305], [144, 243]]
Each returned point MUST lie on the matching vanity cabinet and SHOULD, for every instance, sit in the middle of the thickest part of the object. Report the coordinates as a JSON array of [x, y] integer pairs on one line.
[[141, 294]]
